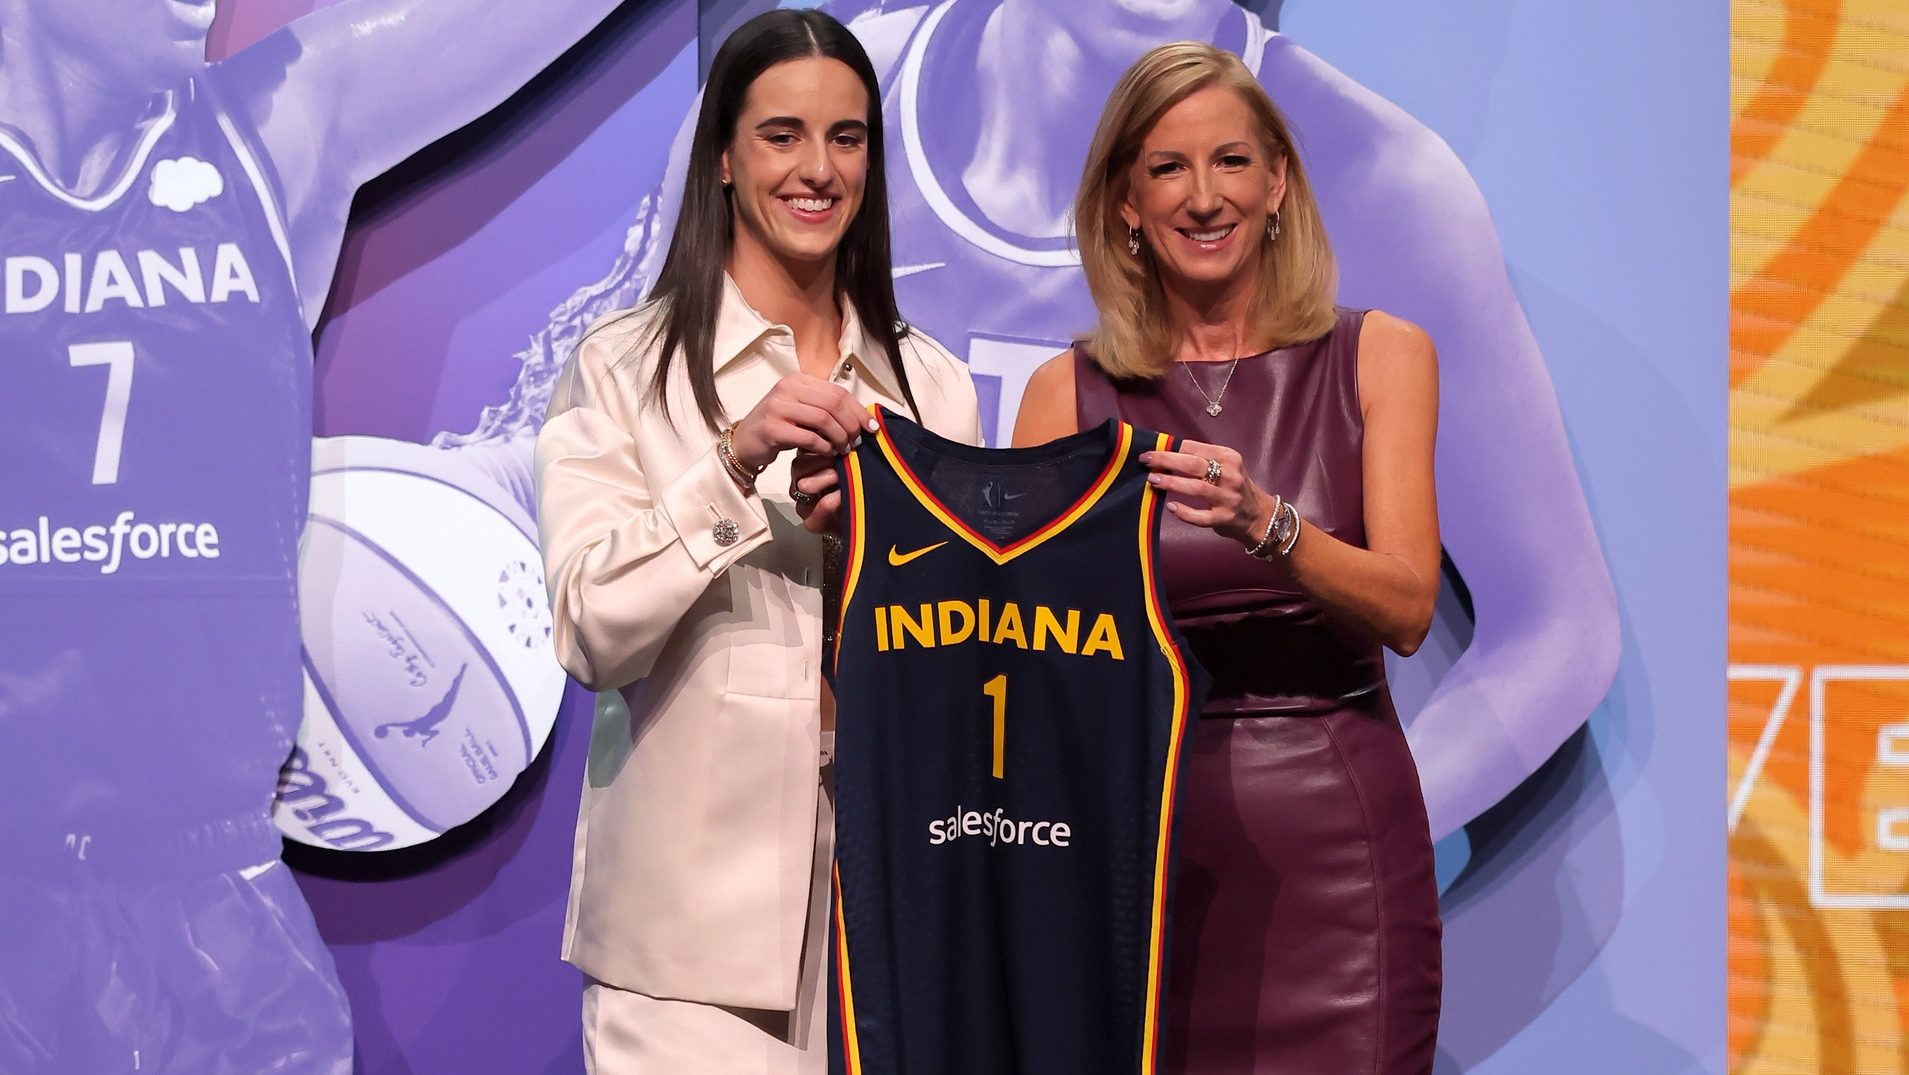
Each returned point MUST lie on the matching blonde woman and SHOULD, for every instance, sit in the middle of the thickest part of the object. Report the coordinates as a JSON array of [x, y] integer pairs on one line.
[[1303, 537]]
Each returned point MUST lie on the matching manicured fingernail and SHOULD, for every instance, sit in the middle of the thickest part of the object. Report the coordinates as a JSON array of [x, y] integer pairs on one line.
[[1153, 479], [857, 444], [1172, 507], [1146, 457], [873, 425]]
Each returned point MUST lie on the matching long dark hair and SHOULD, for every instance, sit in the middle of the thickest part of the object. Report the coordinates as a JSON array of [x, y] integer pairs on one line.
[[689, 287]]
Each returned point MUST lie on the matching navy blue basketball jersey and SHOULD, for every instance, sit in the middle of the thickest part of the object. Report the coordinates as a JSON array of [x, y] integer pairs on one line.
[[155, 445], [1012, 703]]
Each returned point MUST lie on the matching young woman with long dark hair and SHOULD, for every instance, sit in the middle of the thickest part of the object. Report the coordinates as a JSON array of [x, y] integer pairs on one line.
[[683, 487]]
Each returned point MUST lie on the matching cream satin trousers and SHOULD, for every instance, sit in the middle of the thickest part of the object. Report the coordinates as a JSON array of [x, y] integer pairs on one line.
[[627, 1033]]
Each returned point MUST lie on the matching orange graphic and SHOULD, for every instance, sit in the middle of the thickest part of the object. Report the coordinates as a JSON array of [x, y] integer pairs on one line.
[[1819, 537]]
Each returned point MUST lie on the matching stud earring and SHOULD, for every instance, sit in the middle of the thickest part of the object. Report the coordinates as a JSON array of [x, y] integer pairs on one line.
[[1133, 241]]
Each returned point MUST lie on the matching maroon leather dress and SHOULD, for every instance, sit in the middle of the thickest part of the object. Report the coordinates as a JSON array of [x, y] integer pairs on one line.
[[1305, 917]]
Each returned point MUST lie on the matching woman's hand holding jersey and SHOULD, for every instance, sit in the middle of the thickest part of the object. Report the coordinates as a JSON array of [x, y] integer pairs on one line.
[[802, 412]]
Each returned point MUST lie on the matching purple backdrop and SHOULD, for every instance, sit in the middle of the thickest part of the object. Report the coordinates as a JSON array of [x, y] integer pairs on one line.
[[1562, 891], [452, 262]]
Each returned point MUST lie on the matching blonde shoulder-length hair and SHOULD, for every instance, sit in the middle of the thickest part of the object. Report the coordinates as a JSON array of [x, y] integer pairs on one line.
[[1135, 336]]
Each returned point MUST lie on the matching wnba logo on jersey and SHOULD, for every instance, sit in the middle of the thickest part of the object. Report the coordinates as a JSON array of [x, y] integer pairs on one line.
[[89, 283]]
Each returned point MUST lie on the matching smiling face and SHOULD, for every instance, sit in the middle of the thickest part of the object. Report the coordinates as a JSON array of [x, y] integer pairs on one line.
[[798, 162], [1200, 191], [148, 44]]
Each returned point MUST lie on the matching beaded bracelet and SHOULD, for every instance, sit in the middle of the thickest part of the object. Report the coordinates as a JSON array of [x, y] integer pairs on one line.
[[1259, 549], [726, 448]]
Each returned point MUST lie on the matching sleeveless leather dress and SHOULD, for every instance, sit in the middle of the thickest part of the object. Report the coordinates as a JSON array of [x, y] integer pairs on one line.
[[1305, 923]]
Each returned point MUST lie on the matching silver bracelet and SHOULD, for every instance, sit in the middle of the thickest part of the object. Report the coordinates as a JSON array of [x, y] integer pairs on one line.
[[1291, 539], [1265, 543]]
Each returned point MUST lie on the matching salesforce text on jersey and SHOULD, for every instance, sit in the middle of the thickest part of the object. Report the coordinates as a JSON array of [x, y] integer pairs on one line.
[[998, 828], [108, 546]]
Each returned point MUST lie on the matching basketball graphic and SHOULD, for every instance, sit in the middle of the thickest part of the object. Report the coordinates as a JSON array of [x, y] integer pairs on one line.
[[430, 681]]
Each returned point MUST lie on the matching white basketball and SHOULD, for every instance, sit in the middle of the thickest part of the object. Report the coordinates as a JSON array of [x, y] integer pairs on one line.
[[429, 675]]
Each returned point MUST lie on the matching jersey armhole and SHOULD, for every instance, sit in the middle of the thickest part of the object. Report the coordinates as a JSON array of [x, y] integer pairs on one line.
[[259, 173], [852, 520]]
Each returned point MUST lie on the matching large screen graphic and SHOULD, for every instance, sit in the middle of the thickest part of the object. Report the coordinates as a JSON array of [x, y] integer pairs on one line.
[[1819, 482]]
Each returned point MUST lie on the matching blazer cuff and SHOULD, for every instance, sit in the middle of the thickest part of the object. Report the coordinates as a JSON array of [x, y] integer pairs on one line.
[[716, 521]]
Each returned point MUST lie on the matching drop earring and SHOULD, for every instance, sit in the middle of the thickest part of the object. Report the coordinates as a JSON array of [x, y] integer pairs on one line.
[[1133, 241], [1272, 227]]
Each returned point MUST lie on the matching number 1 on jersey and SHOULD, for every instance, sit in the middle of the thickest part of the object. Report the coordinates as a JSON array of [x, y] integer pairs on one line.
[[997, 689], [117, 357]]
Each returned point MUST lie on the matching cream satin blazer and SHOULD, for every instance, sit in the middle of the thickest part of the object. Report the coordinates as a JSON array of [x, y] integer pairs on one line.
[[696, 611]]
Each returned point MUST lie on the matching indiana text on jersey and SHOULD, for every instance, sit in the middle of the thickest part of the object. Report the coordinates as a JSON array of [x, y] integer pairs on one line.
[[950, 623]]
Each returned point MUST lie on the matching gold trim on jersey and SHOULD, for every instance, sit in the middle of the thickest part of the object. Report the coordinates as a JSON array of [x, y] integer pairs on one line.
[[851, 1045], [1163, 635]]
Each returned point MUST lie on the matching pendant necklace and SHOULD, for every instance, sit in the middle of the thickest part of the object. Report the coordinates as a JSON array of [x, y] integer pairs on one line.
[[1212, 402]]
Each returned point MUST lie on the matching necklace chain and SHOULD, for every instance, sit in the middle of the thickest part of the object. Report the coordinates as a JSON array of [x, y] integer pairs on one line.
[[1212, 402]]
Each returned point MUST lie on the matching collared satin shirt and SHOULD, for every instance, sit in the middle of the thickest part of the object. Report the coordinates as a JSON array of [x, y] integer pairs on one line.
[[696, 610]]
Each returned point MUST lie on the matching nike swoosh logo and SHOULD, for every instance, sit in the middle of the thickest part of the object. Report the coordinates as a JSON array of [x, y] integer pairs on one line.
[[910, 270], [896, 557]]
